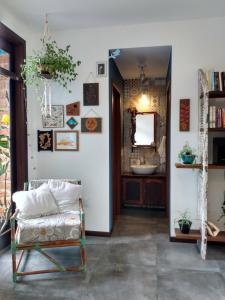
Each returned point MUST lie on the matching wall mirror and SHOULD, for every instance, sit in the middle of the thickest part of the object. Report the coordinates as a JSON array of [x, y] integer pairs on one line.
[[143, 132]]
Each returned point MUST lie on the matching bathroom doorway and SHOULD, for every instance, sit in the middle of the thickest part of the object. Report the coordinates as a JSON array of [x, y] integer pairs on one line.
[[139, 93]]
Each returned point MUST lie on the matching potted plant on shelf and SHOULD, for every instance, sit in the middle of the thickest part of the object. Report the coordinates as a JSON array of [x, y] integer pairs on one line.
[[185, 223], [186, 154], [50, 62]]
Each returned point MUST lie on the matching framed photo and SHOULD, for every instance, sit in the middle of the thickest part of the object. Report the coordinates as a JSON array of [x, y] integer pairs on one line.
[[101, 69], [91, 94], [67, 140], [184, 114], [73, 109], [91, 125], [56, 119], [45, 140]]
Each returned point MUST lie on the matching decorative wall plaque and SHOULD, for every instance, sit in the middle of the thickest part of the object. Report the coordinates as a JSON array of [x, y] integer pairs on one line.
[[45, 140], [56, 119], [73, 109], [91, 94], [91, 125], [72, 123], [184, 114]]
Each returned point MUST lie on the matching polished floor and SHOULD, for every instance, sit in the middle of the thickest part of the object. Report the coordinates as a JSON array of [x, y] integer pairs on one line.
[[136, 263]]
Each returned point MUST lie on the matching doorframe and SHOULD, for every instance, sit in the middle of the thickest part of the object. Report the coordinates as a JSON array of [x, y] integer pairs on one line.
[[18, 127]]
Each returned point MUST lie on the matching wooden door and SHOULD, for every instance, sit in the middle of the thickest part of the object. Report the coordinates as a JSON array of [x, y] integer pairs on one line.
[[132, 191], [154, 193]]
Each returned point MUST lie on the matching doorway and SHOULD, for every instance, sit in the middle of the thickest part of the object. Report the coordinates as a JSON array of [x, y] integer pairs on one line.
[[139, 88], [13, 134]]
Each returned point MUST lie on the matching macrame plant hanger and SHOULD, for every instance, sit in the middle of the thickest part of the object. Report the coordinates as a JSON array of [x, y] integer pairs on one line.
[[46, 99]]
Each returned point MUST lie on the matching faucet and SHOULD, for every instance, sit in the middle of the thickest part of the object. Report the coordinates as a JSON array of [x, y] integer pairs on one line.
[[142, 159]]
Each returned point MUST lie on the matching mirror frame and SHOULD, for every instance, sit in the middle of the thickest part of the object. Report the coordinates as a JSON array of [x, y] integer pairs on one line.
[[134, 113]]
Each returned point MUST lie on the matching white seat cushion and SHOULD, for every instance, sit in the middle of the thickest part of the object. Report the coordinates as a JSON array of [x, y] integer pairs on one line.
[[64, 226]]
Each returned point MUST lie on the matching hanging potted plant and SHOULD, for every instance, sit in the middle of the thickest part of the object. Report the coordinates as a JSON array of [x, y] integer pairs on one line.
[[50, 62], [187, 154]]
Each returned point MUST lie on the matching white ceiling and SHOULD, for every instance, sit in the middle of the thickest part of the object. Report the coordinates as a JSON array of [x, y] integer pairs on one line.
[[65, 14], [154, 59]]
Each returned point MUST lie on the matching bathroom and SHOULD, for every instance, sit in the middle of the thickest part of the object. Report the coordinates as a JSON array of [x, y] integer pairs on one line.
[[140, 80]]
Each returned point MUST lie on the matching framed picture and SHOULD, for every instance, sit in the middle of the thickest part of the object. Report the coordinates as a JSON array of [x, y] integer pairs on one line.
[[67, 140], [91, 94], [45, 140], [101, 69], [56, 119], [184, 114], [91, 125]]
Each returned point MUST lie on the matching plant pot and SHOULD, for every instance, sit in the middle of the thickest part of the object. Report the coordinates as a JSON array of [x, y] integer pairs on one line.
[[188, 159], [43, 70], [184, 228]]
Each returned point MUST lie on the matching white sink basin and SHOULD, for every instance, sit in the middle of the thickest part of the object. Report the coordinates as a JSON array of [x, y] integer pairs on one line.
[[143, 169]]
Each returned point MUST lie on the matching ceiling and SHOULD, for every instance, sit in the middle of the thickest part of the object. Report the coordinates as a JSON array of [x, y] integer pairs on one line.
[[154, 59], [65, 14]]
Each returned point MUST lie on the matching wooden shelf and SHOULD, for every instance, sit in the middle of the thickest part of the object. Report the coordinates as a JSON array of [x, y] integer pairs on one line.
[[194, 235], [216, 129], [198, 166], [188, 166], [216, 94]]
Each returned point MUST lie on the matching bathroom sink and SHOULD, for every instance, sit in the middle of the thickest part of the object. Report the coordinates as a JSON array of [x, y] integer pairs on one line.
[[143, 169]]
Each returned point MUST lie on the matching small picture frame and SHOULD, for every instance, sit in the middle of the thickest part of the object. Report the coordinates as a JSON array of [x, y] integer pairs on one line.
[[67, 140], [101, 69], [45, 140], [56, 119], [91, 125], [184, 114]]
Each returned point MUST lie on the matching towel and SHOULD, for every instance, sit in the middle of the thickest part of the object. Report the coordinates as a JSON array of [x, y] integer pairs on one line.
[[162, 150]]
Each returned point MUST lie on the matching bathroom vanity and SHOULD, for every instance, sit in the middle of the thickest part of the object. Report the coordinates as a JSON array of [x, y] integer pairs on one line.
[[144, 190]]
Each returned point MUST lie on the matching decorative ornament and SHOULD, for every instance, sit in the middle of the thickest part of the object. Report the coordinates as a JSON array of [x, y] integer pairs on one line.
[[72, 123]]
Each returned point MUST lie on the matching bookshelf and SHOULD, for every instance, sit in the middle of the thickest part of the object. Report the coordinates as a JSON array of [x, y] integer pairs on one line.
[[206, 98]]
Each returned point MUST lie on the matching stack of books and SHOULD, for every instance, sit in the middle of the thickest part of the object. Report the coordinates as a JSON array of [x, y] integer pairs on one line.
[[216, 117], [216, 80]]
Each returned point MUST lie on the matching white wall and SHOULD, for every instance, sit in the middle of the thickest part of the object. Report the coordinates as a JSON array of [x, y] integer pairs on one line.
[[194, 44]]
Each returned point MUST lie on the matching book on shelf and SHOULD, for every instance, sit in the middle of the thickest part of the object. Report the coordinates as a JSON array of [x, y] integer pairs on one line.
[[216, 117], [216, 80]]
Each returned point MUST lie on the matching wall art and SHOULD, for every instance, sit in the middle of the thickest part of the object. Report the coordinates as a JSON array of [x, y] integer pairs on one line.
[[72, 123], [55, 119], [101, 69], [91, 125], [73, 109], [184, 114], [45, 140], [91, 94], [67, 140]]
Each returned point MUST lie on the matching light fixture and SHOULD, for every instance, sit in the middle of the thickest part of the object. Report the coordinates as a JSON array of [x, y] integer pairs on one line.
[[144, 100]]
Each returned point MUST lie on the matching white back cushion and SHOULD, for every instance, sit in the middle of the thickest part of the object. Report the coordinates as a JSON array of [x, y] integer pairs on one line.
[[35, 203], [66, 195]]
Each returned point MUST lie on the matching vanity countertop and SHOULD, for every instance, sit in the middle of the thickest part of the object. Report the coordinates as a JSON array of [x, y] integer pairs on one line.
[[156, 175]]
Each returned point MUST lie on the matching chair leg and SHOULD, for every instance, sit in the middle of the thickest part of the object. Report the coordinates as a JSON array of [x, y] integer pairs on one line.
[[83, 258], [14, 273]]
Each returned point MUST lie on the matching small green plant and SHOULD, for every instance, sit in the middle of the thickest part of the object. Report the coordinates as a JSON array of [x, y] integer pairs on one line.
[[50, 62], [187, 154], [186, 150], [184, 218]]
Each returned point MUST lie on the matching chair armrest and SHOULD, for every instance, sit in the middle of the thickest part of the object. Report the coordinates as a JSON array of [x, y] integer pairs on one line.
[[13, 217], [81, 205]]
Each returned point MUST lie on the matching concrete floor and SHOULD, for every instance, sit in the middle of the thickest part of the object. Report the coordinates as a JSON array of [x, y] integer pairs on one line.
[[136, 263]]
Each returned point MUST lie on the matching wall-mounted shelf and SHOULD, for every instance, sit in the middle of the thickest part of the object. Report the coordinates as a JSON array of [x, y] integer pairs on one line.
[[194, 235], [198, 166], [216, 129], [216, 94], [188, 166]]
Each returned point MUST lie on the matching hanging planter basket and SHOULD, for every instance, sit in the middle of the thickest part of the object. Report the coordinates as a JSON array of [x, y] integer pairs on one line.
[[50, 62]]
